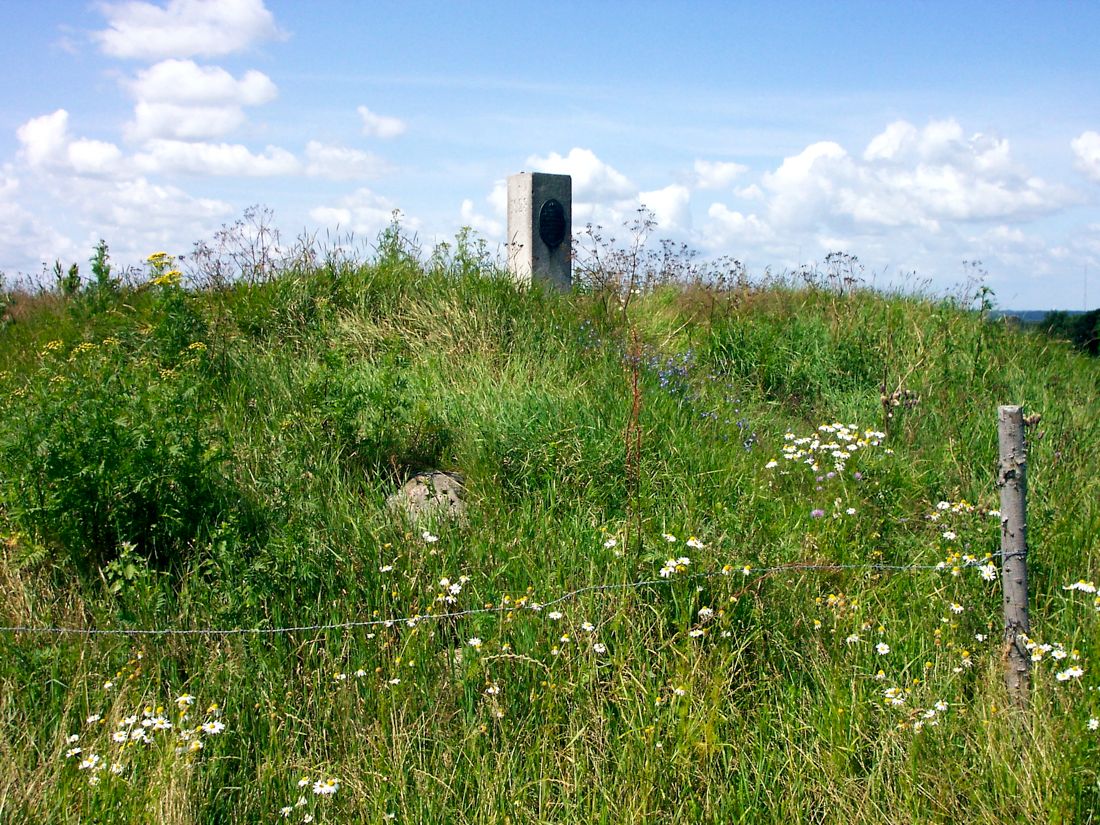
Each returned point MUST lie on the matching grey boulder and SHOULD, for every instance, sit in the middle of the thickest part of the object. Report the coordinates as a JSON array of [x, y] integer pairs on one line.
[[435, 494]]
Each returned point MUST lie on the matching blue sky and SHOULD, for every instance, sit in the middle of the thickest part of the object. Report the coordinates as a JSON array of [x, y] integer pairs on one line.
[[913, 135]]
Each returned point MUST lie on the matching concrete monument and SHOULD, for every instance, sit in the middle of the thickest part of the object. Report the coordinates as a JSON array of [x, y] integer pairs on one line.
[[540, 228]]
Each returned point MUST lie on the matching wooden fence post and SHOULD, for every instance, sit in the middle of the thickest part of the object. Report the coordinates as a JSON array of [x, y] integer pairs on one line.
[[1012, 481]]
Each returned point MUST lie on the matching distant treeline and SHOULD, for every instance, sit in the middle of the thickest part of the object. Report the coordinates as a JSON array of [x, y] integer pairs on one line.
[[1080, 329]]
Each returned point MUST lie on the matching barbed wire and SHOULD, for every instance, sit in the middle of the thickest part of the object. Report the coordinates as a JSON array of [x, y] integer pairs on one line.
[[744, 572]]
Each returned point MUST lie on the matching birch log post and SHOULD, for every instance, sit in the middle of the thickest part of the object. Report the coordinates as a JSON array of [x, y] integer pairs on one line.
[[1012, 481]]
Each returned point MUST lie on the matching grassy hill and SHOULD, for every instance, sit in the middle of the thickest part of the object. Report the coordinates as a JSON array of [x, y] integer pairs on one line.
[[676, 582]]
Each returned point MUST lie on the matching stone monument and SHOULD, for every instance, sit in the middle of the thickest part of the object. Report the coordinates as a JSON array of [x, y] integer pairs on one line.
[[540, 228]]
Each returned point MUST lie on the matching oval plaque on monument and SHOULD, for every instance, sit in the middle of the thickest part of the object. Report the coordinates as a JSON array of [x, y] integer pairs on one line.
[[552, 223]]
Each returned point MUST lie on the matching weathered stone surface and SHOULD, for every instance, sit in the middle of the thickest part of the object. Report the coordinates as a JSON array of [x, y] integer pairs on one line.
[[431, 495]]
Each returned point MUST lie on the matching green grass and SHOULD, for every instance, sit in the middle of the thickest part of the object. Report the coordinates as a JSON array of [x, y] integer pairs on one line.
[[221, 459]]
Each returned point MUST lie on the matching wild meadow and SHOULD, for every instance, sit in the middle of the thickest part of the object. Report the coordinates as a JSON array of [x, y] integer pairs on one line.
[[730, 553]]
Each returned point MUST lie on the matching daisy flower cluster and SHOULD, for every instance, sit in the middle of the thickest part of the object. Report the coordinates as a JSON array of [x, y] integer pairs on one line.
[[1066, 663], [919, 717], [449, 590], [955, 562], [309, 791], [834, 444], [680, 564], [959, 522], [912, 718], [673, 566], [120, 743], [1087, 587]]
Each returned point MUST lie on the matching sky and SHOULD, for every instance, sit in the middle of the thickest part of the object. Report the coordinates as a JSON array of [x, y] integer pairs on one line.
[[916, 136]]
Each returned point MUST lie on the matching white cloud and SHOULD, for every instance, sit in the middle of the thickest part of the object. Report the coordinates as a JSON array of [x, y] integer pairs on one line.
[[172, 121], [890, 143], [728, 228], [342, 163], [46, 144], [490, 228], [139, 203], [181, 100], [380, 126], [802, 186], [186, 82], [184, 28], [138, 217], [907, 177], [362, 212], [670, 207], [222, 159], [26, 242], [44, 138], [55, 214], [498, 198], [1086, 148], [710, 174], [593, 180], [94, 157]]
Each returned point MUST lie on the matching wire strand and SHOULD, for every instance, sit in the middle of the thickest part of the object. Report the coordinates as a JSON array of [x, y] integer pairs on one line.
[[745, 573]]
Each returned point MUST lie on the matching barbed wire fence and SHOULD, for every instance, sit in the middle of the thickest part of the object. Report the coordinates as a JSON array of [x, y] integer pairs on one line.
[[1011, 480], [414, 619]]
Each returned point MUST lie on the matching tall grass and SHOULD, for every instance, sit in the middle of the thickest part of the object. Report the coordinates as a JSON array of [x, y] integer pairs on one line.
[[220, 458]]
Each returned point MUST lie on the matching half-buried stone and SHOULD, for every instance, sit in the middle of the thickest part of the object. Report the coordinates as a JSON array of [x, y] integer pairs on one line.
[[434, 495]]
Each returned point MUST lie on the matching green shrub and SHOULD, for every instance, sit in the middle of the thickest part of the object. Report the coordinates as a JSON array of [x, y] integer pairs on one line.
[[104, 445], [379, 419]]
